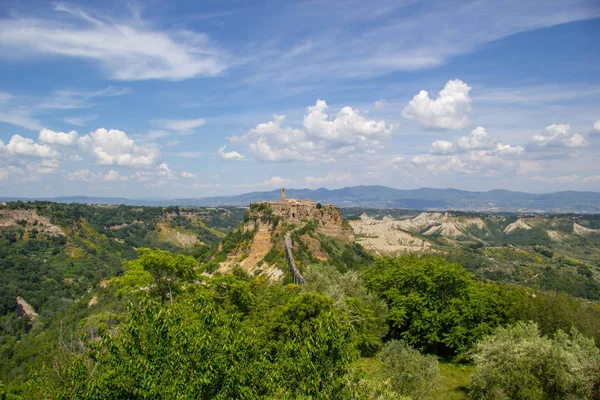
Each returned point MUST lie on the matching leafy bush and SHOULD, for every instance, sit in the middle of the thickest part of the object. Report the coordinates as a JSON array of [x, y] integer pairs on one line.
[[367, 312], [517, 363], [410, 372]]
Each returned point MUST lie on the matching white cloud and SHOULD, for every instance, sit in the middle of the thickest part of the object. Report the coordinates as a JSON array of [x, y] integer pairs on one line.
[[449, 111], [507, 149], [186, 154], [320, 136], [73, 99], [230, 156], [81, 120], [114, 147], [17, 115], [597, 126], [478, 140], [4, 174], [20, 146], [180, 126], [114, 176], [330, 179], [50, 137], [172, 143], [557, 179], [126, 51], [558, 136], [379, 103], [47, 166], [162, 173], [272, 183], [188, 175], [81, 175], [442, 147]]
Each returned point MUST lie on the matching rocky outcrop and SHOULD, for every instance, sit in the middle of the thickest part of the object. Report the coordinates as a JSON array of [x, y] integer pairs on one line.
[[29, 218], [582, 230], [25, 310], [384, 237], [518, 224]]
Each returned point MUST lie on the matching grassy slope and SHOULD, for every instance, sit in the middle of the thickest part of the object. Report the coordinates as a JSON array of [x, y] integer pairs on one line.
[[455, 378]]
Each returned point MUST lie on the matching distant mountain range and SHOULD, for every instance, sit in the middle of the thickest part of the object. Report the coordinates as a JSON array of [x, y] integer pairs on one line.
[[384, 197]]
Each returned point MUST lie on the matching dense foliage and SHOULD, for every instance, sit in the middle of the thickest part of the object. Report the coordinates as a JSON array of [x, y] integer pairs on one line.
[[231, 337], [435, 305], [157, 326], [517, 363]]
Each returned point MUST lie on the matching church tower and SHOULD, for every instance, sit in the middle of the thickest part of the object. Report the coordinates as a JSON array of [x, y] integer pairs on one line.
[[283, 197]]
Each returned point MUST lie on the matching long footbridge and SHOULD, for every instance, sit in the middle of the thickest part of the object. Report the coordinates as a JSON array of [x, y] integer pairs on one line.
[[296, 275]]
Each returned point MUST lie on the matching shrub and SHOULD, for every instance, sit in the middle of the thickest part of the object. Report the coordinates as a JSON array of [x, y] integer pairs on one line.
[[517, 363], [410, 372]]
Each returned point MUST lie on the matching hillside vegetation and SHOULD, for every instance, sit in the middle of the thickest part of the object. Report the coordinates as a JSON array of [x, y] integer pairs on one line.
[[144, 302]]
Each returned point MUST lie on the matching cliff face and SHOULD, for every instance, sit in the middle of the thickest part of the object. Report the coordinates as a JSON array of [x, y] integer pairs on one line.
[[267, 223]]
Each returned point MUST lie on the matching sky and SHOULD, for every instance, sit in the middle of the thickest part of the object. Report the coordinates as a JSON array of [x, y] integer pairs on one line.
[[176, 99]]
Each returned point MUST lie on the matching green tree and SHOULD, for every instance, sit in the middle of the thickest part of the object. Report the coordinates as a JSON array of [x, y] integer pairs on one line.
[[206, 345], [411, 373], [160, 267], [435, 305], [517, 363], [366, 311]]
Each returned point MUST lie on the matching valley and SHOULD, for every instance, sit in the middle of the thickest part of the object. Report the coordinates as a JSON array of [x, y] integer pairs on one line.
[[67, 268]]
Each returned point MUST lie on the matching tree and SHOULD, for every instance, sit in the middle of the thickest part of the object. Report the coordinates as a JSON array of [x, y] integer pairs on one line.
[[410, 372], [366, 311], [435, 305], [517, 363], [160, 267]]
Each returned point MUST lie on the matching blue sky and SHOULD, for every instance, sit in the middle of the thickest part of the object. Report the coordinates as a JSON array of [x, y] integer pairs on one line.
[[192, 99]]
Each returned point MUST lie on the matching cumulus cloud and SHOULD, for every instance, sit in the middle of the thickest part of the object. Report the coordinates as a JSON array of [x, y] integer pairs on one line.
[[126, 51], [507, 149], [20, 146], [188, 175], [161, 174], [114, 147], [86, 175], [320, 136], [478, 140], [450, 110], [558, 136], [597, 126], [114, 176], [442, 147], [230, 156], [50, 137]]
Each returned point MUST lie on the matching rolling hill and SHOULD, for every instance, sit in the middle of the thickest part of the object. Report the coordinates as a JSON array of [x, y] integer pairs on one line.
[[384, 197]]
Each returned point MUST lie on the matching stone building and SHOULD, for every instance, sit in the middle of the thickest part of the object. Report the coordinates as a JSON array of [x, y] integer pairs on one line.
[[328, 216]]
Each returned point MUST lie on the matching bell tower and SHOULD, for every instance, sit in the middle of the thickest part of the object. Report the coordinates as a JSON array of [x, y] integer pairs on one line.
[[283, 196]]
